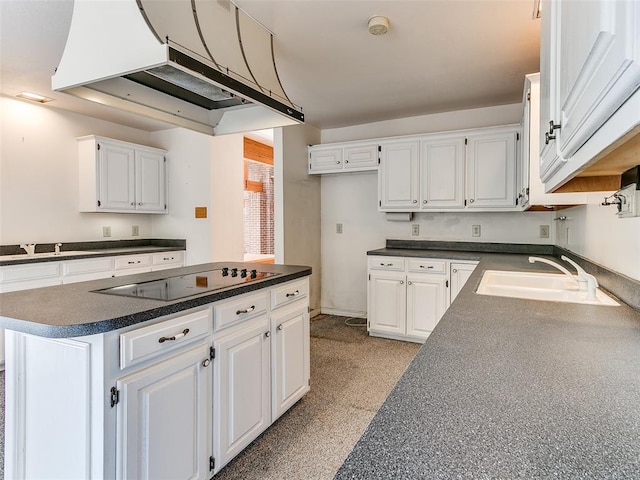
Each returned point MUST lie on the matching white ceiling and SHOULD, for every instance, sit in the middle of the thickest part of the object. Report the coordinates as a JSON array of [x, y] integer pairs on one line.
[[439, 55]]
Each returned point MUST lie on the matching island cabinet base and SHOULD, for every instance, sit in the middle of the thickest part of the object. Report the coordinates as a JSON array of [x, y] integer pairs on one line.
[[156, 400]]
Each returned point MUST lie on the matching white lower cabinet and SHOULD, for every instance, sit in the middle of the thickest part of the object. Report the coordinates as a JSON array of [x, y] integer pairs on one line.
[[162, 419], [174, 398], [407, 297], [460, 273], [242, 388]]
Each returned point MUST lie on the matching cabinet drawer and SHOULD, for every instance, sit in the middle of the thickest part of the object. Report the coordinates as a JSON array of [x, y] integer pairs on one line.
[[428, 266], [386, 263], [145, 343], [168, 258], [289, 293], [81, 267], [21, 273], [241, 308], [132, 261]]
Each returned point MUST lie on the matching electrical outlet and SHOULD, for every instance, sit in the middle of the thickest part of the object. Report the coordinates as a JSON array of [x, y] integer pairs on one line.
[[135, 231], [544, 231], [415, 229], [338, 228], [106, 231], [475, 230]]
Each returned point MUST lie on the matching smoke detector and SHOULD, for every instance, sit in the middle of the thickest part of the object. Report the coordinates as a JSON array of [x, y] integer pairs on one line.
[[378, 25]]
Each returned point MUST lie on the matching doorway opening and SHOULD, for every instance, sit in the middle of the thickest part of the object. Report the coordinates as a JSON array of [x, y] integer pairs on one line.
[[258, 208]]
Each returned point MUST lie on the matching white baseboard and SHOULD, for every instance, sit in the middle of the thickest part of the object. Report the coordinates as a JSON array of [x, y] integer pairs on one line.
[[343, 313]]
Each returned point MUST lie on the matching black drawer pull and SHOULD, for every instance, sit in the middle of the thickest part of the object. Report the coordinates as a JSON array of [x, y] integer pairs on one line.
[[297, 292], [246, 310], [175, 337]]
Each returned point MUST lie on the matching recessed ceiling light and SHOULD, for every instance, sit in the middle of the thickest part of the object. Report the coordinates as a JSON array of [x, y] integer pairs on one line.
[[378, 25], [34, 97]]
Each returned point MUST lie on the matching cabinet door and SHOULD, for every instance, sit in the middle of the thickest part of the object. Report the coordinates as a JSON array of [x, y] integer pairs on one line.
[[150, 181], [242, 388], [387, 303], [491, 170], [325, 160], [290, 358], [362, 157], [460, 273], [599, 65], [426, 303], [442, 173], [398, 176], [162, 420], [116, 177]]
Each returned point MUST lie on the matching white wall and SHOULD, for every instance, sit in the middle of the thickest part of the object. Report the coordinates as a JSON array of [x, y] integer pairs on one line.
[[227, 198], [595, 232], [297, 203], [440, 122], [352, 199], [189, 174], [39, 176]]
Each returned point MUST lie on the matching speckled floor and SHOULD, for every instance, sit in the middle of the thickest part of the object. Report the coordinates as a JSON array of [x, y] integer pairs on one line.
[[351, 375]]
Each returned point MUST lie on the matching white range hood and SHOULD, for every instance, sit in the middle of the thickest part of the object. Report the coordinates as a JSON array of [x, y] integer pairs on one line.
[[198, 64]]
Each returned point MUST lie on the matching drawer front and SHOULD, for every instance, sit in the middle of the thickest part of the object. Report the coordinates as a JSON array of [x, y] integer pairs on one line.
[[145, 343], [21, 273], [289, 293], [232, 312], [168, 258], [132, 261], [386, 263], [428, 266], [81, 267]]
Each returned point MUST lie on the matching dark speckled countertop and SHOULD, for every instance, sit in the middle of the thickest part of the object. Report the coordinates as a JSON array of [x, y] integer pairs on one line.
[[510, 388], [76, 310]]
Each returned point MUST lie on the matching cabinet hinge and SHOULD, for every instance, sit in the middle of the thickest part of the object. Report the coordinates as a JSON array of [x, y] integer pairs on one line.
[[309, 382], [465, 202], [99, 203], [165, 206], [527, 190], [528, 96], [380, 202], [308, 309], [516, 201], [379, 148], [378, 160], [369, 276], [114, 396], [466, 141], [309, 166], [518, 136], [98, 147], [212, 463], [446, 283], [165, 159], [212, 353]]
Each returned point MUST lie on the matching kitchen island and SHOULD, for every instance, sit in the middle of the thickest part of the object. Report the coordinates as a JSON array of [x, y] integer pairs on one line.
[[511, 388], [106, 386]]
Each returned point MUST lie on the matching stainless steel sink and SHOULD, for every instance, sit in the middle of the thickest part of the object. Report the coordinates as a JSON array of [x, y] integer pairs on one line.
[[538, 286]]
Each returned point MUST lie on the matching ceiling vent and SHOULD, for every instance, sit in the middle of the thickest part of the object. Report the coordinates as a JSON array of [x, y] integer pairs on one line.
[[199, 64]]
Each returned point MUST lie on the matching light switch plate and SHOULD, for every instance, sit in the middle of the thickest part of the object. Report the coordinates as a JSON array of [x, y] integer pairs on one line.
[[338, 228], [475, 230], [106, 231], [135, 231], [544, 231], [415, 229]]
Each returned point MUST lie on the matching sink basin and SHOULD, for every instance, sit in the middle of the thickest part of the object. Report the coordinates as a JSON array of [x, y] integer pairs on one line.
[[68, 253], [538, 286]]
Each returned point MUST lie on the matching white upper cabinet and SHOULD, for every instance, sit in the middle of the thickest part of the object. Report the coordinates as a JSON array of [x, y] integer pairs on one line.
[[121, 177], [346, 157], [442, 173], [398, 177], [491, 169], [471, 169], [590, 74]]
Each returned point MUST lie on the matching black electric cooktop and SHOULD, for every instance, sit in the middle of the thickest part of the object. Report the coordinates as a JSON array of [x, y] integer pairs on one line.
[[173, 288]]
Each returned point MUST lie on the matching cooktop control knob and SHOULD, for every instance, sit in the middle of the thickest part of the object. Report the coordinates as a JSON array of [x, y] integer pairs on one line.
[[225, 271], [234, 272], [254, 273]]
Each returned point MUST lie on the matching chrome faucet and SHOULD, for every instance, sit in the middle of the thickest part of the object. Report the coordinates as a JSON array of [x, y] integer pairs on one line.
[[586, 281], [57, 248], [30, 248]]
